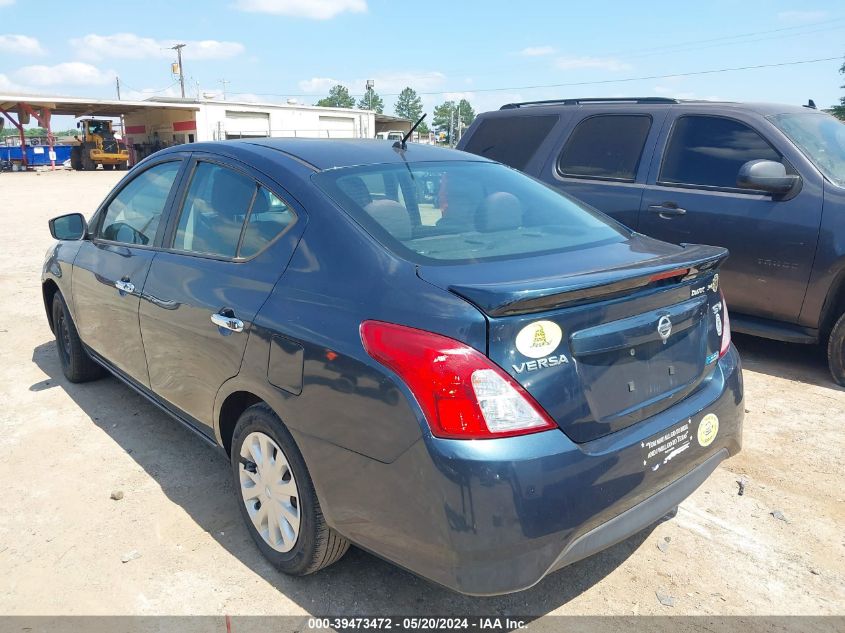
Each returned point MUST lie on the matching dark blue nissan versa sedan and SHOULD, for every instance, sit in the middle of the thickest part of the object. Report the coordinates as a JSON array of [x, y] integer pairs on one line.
[[419, 351]]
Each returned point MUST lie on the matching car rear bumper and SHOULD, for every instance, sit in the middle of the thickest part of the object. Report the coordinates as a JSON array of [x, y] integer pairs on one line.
[[490, 517]]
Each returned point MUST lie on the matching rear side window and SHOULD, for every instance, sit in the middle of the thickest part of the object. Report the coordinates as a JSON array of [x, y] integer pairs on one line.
[[463, 211], [228, 214], [511, 140], [268, 218], [606, 146], [708, 151], [133, 216]]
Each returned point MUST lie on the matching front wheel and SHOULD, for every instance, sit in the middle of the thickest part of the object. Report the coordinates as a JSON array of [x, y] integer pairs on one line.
[[836, 351], [77, 365], [276, 496]]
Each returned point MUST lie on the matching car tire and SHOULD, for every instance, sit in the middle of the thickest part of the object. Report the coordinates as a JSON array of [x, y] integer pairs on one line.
[[836, 351], [77, 365], [263, 481]]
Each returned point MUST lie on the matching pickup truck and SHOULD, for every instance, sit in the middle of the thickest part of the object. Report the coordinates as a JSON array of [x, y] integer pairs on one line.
[[766, 181]]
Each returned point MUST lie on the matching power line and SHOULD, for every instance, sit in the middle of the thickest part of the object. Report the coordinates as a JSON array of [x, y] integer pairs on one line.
[[584, 83], [730, 37]]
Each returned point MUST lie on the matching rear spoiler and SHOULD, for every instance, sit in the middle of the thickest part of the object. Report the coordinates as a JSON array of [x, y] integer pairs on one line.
[[551, 293]]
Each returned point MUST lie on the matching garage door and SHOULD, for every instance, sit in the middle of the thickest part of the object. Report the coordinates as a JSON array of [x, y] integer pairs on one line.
[[247, 124], [337, 126]]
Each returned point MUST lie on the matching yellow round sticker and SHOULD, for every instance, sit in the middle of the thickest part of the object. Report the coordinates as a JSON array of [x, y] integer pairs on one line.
[[707, 429]]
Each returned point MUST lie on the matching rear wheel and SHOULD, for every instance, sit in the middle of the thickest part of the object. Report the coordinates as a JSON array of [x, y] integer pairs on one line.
[[77, 365], [276, 496], [836, 351]]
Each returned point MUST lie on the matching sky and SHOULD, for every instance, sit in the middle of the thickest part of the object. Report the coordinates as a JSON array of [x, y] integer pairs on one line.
[[490, 52]]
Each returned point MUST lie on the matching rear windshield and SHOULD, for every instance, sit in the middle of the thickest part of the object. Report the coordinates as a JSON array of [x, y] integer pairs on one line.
[[458, 212]]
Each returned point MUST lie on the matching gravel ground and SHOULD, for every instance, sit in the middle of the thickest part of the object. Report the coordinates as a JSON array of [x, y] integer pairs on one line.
[[64, 449]]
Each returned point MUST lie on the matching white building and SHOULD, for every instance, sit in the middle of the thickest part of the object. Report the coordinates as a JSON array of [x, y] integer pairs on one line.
[[214, 120], [161, 122]]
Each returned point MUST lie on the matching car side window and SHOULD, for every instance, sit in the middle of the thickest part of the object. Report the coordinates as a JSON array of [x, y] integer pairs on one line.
[[268, 218], [605, 147], [133, 215], [214, 211], [708, 151], [511, 140], [228, 214]]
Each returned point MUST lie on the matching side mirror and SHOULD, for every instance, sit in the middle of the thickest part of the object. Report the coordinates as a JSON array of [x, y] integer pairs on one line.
[[69, 227], [766, 175]]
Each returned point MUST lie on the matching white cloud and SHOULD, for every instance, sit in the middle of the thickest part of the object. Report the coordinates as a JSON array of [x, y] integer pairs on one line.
[[318, 85], [20, 45], [802, 17], [600, 63], [68, 73], [536, 51], [7, 85], [146, 93], [313, 9], [6, 3], [131, 46]]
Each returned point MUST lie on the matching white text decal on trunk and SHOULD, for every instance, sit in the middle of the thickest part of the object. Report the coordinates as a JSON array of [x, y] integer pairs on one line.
[[541, 363]]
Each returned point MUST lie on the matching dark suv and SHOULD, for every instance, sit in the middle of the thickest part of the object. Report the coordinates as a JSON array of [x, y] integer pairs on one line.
[[766, 181]]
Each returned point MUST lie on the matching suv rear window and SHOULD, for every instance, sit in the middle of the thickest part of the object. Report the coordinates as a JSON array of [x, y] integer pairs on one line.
[[607, 147], [511, 140], [709, 150], [463, 211]]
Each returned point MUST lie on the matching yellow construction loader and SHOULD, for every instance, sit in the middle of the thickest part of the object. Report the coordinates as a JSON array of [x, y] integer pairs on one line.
[[98, 146]]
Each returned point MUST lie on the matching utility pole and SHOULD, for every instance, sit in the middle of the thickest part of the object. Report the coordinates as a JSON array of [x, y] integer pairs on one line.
[[459, 122], [178, 48], [224, 82], [370, 85], [451, 122], [117, 85]]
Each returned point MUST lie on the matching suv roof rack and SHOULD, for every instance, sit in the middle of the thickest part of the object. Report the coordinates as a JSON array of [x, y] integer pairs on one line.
[[522, 104]]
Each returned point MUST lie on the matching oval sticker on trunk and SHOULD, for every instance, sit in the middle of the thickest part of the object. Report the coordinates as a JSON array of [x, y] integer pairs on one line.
[[707, 429], [539, 339]]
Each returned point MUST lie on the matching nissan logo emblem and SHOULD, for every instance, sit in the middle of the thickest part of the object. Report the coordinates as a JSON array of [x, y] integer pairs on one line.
[[664, 328]]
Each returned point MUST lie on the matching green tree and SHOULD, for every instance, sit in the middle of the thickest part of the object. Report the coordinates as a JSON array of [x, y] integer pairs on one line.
[[409, 106], [451, 117], [839, 110], [339, 97], [371, 101]]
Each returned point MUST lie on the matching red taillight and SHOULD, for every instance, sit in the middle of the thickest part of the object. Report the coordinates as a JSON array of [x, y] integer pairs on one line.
[[461, 392], [726, 328]]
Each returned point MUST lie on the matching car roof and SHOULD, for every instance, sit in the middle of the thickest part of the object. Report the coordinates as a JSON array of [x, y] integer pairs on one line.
[[324, 154], [539, 107]]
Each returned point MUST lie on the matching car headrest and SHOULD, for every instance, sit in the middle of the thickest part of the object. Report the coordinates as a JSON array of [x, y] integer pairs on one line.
[[231, 194], [392, 216], [355, 188], [498, 212]]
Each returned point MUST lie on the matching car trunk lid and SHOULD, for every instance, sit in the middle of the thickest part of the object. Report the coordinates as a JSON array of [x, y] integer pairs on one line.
[[599, 347]]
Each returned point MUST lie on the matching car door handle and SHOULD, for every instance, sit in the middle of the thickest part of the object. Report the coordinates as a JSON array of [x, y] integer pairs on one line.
[[124, 287], [227, 322], [667, 210]]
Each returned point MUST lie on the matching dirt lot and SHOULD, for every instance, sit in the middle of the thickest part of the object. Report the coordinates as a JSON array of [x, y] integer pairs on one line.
[[65, 448]]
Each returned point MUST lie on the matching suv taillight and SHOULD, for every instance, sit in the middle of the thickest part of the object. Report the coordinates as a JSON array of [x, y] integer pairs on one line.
[[726, 327], [462, 393]]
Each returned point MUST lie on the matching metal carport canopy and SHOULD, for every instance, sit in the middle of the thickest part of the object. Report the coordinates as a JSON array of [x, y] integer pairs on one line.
[[80, 106]]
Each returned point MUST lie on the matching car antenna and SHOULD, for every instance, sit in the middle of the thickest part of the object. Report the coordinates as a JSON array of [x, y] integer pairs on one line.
[[811, 104], [403, 144]]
